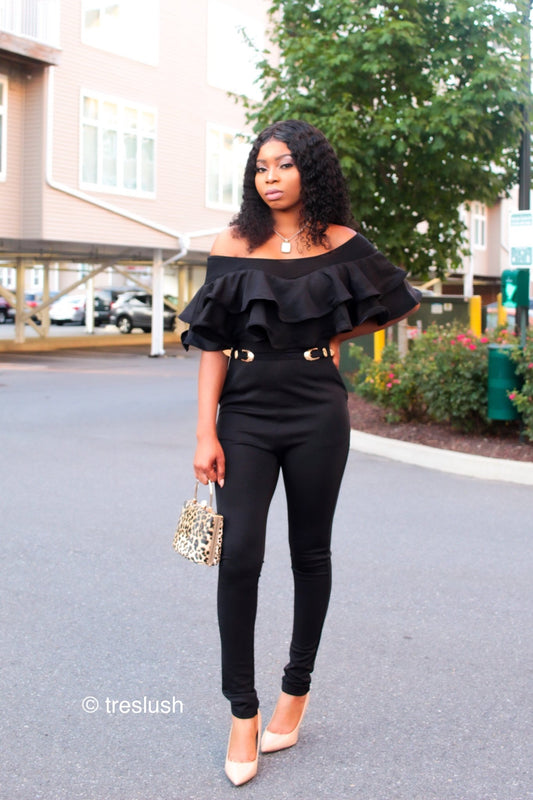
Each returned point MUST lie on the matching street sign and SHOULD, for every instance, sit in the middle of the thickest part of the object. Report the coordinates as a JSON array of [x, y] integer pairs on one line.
[[521, 238], [515, 288]]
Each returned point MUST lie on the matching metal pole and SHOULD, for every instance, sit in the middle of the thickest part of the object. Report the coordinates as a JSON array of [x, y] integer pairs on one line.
[[524, 191]]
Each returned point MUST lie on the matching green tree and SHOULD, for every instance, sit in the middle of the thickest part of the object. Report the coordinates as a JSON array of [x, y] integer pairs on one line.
[[422, 100]]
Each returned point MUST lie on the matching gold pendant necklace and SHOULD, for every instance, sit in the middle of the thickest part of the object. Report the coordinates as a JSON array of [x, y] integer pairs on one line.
[[286, 246]]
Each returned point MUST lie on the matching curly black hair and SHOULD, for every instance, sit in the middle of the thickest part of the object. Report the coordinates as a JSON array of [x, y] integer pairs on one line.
[[325, 198]]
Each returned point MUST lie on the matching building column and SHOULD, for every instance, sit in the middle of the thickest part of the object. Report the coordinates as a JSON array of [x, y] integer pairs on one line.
[[19, 306], [89, 306], [157, 348], [45, 315]]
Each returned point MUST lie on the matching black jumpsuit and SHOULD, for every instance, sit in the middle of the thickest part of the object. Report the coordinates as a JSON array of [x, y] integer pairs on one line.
[[284, 409]]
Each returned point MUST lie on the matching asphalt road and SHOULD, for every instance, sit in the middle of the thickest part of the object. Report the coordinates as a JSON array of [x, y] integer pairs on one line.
[[423, 686]]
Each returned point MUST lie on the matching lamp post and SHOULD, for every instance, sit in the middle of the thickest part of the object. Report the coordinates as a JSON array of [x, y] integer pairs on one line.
[[524, 190], [524, 187]]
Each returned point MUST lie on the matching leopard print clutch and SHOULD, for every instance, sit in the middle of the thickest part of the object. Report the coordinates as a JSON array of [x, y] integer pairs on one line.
[[198, 535]]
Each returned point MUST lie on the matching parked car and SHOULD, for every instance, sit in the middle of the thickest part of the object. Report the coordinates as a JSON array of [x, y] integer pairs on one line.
[[4, 310], [133, 309], [72, 308], [31, 300], [103, 300], [69, 308]]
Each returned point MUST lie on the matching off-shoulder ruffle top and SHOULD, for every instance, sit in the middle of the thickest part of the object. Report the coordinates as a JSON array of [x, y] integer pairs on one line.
[[295, 302]]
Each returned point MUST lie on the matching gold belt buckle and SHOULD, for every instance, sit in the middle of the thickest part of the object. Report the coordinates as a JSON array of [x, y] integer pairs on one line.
[[249, 355], [308, 355]]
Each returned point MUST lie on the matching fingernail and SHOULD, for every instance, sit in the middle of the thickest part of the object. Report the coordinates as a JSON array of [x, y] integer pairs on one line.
[[221, 482]]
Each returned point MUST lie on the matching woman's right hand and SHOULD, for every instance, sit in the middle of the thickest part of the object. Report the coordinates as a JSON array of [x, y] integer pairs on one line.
[[209, 461]]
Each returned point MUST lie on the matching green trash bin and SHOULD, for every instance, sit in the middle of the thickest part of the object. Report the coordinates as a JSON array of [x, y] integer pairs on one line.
[[502, 379]]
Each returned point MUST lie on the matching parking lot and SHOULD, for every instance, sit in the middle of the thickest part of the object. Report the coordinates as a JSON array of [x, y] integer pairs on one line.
[[110, 678]]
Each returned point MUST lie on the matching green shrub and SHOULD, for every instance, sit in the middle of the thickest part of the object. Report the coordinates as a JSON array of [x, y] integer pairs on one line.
[[383, 382], [443, 378], [523, 398]]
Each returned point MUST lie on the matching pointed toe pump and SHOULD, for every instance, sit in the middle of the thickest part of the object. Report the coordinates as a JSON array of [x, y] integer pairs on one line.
[[271, 742], [240, 772]]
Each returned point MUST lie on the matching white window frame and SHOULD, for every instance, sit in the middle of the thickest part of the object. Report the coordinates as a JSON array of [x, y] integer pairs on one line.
[[3, 128], [121, 129], [137, 39], [237, 163], [479, 226]]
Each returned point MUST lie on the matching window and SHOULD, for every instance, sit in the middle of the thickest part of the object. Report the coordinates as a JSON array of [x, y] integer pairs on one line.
[[3, 127], [129, 28], [8, 277], [227, 152], [479, 223], [117, 145], [233, 43], [37, 278]]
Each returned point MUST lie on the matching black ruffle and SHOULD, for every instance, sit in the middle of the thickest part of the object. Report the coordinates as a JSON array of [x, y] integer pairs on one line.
[[295, 302]]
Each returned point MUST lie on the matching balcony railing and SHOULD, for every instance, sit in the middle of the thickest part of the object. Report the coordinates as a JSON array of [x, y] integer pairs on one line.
[[37, 20]]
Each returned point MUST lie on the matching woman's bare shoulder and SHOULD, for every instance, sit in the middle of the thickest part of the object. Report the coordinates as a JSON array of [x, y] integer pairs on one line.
[[339, 234], [229, 243]]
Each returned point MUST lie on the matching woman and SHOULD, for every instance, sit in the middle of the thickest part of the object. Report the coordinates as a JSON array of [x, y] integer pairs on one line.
[[286, 283]]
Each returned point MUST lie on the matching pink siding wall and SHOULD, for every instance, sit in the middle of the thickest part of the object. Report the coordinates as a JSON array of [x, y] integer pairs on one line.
[[11, 188], [33, 157]]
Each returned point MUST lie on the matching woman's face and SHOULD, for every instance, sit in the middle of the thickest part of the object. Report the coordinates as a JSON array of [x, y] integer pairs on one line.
[[277, 178]]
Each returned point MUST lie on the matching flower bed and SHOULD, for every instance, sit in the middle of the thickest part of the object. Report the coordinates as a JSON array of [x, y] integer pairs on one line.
[[443, 378]]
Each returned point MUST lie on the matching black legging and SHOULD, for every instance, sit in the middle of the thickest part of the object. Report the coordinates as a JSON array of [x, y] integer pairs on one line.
[[288, 415]]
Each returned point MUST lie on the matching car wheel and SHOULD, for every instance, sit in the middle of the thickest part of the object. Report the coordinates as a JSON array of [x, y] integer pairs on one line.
[[124, 324]]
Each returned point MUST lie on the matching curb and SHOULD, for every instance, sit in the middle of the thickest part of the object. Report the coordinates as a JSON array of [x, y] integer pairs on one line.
[[420, 455], [51, 343]]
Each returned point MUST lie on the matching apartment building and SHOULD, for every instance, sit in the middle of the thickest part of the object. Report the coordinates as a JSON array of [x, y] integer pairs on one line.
[[119, 144], [488, 237]]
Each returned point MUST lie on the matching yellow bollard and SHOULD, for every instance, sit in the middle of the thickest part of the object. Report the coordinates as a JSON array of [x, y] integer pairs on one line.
[[379, 344], [475, 315], [502, 312]]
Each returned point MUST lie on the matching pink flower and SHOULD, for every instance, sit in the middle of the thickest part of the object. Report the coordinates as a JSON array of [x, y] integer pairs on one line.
[[389, 386], [472, 347], [452, 341], [530, 365], [484, 340], [512, 395]]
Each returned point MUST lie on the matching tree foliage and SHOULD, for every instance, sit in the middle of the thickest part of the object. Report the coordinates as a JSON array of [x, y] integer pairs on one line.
[[422, 99]]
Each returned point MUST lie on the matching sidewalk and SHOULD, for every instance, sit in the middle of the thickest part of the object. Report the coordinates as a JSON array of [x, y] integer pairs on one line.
[[492, 469]]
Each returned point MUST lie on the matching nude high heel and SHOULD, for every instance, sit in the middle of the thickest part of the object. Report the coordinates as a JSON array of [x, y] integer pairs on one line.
[[240, 772], [271, 742]]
